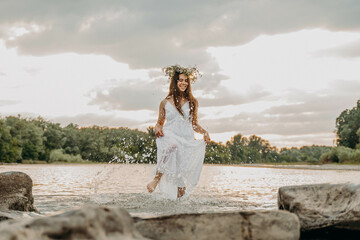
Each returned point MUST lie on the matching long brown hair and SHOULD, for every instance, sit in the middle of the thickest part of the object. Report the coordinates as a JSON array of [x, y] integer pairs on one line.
[[175, 93]]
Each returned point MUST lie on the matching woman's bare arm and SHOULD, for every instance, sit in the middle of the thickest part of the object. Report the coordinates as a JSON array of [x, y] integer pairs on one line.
[[161, 119], [196, 126]]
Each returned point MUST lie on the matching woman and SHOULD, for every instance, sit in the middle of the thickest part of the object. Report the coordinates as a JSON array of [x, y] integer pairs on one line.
[[179, 155]]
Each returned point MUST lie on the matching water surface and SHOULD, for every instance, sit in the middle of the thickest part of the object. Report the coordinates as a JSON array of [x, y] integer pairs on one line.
[[221, 188]]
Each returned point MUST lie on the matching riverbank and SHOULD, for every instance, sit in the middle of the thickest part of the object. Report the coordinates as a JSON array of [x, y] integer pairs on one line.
[[348, 167], [56, 162], [295, 165]]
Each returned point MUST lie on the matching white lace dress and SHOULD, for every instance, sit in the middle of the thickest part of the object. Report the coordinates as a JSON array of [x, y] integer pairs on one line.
[[179, 156]]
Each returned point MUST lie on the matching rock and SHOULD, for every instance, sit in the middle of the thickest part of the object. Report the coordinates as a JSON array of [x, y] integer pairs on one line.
[[323, 205], [234, 225], [12, 214], [89, 222], [16, 192], [330, 233]]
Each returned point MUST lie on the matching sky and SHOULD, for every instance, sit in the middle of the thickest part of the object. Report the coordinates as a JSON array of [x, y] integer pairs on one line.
[[283, 70]]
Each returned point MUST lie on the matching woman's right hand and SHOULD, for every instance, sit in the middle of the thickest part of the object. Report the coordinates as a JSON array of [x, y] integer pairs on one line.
[[159, 130], [207, 138]]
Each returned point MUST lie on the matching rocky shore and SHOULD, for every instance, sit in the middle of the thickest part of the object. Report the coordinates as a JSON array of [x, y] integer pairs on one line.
[[321, 211]]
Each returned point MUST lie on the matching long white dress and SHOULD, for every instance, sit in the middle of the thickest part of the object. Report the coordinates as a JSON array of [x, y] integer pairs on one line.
[[180, 156]]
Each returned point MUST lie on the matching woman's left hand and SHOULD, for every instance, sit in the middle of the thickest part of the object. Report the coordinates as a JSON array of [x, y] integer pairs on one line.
[[207, 138]]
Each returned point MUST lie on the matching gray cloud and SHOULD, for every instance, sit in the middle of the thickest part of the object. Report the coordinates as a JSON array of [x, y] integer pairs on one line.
[[298, 124], [2, 74], [305, 140], [225, 97], [91, 119], [209, 81], [155, 74], [133, 94], [8, 102], [314, 114], [147, 34], [350, 50], [152, 34], [31, 71], [130, 94]]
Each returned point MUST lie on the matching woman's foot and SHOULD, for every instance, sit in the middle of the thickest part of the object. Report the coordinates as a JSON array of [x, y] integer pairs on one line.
[[152, 185], [181, 192]]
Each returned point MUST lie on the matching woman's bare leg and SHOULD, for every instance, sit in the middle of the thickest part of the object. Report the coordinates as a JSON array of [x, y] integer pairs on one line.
[[181, 192], [152, 185]]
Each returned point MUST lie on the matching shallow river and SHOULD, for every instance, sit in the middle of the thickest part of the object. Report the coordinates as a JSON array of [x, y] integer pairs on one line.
[[221, 188]]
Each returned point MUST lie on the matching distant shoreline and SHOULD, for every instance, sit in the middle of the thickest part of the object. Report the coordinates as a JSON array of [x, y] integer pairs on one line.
[[349, 167]]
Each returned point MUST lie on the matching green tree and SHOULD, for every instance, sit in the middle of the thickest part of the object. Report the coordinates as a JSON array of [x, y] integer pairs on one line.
[[54, 136], [260, 150], [151, 131], [9, 152], [347, 126], [27, 135], [71, 139], [92, 144], [358, 133], [290, 155], [309, 154], [217, 153], [236, 147], [341, 155]]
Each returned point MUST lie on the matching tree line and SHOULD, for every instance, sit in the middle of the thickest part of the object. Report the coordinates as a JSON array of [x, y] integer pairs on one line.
[[38, 139], [348, 138]]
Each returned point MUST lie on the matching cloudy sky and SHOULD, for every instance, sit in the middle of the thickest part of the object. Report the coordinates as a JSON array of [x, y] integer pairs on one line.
[[280, 69]]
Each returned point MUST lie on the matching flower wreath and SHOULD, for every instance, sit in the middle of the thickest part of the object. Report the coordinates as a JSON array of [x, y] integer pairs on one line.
[[192, 72]]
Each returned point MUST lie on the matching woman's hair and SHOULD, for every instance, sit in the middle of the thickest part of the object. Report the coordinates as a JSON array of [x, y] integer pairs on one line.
[[175, 93]]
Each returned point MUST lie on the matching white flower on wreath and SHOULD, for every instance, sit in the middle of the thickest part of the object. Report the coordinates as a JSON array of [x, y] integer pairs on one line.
[[192, 72]]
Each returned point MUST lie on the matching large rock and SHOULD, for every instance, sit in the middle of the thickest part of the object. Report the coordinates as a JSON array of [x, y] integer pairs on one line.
[[16, 192], [235, 225], [89, 222], [323, 205], [13, 214]]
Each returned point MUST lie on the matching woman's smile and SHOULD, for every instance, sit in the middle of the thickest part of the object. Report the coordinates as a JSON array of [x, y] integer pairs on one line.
[[182, 83]]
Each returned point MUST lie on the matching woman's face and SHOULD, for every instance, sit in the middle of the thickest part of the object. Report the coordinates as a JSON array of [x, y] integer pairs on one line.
[[183, 82]]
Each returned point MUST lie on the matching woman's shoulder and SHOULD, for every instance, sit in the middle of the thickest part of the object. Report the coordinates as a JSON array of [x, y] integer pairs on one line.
[[163, 102], [166, 99]]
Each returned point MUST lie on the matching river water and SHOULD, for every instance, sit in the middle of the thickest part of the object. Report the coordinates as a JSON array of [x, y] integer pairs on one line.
[[221, 188]]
